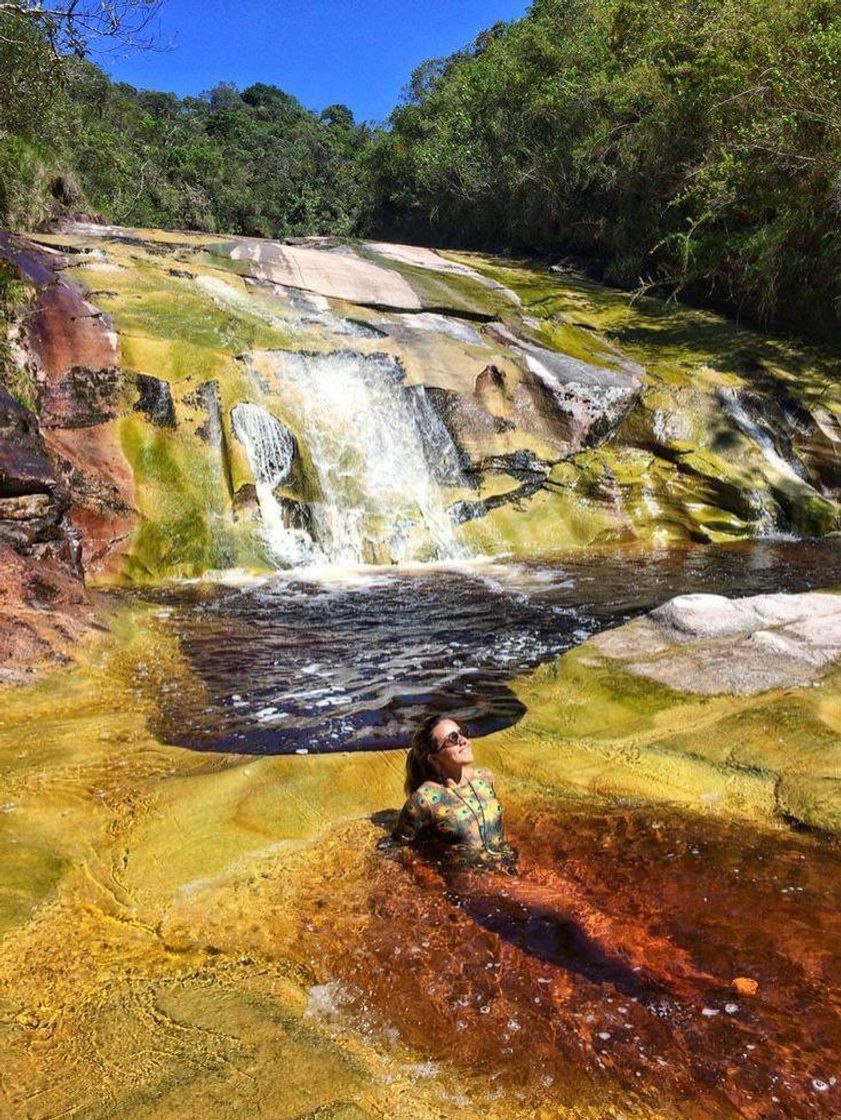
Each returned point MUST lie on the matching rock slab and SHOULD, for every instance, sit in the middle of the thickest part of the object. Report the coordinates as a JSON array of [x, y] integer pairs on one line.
[[712, 645]]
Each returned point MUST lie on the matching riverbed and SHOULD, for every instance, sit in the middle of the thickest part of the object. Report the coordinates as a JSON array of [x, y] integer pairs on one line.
[[200, 917]]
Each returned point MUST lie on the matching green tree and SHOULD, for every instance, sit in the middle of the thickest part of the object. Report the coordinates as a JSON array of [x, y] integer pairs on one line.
[[693, 144]]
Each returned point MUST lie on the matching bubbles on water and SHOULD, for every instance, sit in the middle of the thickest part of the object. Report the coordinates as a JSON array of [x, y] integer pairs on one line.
[[421, 1070], [325, 1001], [351, 663]]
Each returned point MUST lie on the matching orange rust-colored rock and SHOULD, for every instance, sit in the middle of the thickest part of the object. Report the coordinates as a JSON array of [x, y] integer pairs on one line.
[[66, 490], [745, 986], [41, 589], [43, 611], [65, 331], [101, 486]]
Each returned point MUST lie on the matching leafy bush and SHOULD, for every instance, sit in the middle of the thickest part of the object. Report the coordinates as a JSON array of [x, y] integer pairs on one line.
[[692, 144], [254, 163]]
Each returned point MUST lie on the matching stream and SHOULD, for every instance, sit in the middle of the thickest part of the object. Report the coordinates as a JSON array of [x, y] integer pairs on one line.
[[348, 659]]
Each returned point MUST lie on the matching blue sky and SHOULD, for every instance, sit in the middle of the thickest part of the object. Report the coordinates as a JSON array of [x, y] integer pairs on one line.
[[359, 52]]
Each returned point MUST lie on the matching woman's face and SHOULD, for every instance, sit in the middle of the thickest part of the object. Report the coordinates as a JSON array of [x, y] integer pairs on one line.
[[452, 748]]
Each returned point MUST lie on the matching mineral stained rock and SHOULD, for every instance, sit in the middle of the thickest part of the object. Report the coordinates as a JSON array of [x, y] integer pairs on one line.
[[724, 705], [75, 352], [41, 589]]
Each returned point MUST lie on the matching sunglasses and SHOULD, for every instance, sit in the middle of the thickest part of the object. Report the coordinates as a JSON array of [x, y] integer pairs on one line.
[[450, 740]]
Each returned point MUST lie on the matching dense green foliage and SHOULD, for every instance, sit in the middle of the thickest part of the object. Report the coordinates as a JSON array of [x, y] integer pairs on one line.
[[254, 162], [695, 143], [687, 145]]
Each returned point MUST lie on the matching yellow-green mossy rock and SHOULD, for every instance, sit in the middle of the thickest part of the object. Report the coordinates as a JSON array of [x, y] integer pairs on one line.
[[549, 413], [721, 705]]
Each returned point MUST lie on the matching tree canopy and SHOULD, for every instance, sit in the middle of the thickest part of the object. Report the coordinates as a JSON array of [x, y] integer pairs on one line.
[[690, 146], [253, 162]]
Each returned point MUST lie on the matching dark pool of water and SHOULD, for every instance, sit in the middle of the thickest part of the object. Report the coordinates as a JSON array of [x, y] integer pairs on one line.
[[313, 665]]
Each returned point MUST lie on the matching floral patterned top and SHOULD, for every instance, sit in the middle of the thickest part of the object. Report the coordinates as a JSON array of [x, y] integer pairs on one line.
[[469, 816]]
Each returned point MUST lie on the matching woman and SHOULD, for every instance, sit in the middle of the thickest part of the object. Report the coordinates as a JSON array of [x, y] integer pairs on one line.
[[451, 802], [453, 812]]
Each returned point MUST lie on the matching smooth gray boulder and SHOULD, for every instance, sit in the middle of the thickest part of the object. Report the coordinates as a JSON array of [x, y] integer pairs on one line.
[[712, 645]]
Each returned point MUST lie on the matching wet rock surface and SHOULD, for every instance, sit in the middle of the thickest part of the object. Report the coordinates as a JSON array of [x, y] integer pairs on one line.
[[82, 392], [227, 913], [713, 645], [24, 466], [41, 589], [636, 437], [154, 400], [192, 932], [726, 705], [81, 398]]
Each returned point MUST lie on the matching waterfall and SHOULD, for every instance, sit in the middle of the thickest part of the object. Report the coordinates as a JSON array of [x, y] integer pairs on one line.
[[766, 518], [763, 439], [381, 455], [271, 450]]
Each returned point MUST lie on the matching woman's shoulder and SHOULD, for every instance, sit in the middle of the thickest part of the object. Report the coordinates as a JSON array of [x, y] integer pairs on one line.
[[484, 775], [428, 792]]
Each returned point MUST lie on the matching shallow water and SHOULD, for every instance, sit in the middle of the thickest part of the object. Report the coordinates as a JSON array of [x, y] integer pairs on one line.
[[679, 907], [191, 933], [347, 661]]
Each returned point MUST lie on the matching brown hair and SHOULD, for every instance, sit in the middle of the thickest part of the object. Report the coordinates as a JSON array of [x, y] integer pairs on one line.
[[418, 766]]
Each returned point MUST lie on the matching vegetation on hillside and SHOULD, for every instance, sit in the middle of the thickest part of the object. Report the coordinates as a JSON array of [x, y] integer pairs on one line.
[[692, 143], [688, 146], [254, 162]]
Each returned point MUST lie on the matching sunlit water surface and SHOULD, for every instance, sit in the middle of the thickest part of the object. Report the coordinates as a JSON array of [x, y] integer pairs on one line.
[[332, 660], [684, 905], [191, 934], [621, 988]]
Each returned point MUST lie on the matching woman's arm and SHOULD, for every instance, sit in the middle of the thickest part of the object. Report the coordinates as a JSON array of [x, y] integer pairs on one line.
[[414, 816]]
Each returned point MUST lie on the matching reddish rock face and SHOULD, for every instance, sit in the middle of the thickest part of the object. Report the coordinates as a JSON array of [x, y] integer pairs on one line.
[[66, 331], [33, 502], [102, 491], [80, 397], [24, 466], [43, 611], [66, 491], [72, 343], [41, 588], [76, 353]]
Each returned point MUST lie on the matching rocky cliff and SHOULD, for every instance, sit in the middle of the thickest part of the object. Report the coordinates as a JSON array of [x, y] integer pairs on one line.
[[199, 403]]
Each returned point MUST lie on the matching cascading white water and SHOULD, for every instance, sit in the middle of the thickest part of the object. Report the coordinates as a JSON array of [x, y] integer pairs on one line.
[[740, 416], [766, 517], [271, 449], [381, 455]]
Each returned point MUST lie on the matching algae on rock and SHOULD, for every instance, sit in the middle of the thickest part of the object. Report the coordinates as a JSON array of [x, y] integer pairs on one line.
[[577, 416]]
